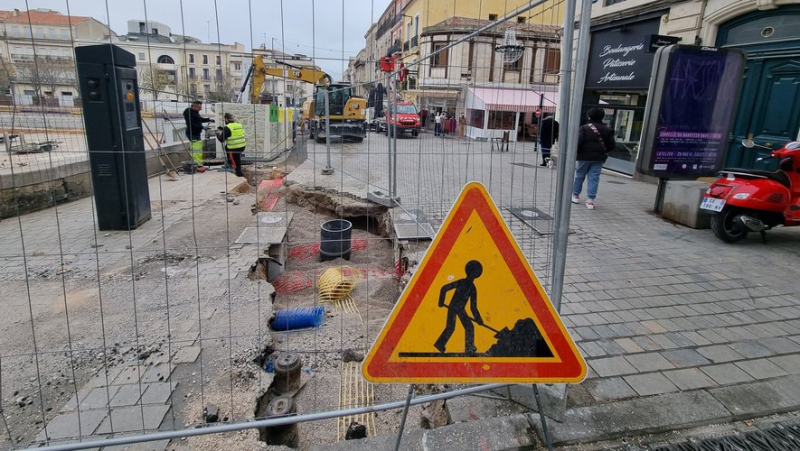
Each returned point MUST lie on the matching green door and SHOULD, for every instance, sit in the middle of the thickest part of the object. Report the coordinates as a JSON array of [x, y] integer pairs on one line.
[[768, 109], [768, 113]]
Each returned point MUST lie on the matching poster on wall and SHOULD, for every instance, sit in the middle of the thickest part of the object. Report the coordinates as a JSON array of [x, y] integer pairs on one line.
[[690, 111]]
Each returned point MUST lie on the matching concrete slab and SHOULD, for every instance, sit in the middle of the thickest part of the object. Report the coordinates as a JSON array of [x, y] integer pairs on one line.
[[187, 354], [761, 398], [158, 393], [273, 218], [127, 395], [643, 415], [157, 373], [129, 375], [66, 425], [129, 419], [650, 384], [689, 378]]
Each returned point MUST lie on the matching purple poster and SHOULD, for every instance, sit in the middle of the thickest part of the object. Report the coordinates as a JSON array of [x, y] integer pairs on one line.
[[696, 111]]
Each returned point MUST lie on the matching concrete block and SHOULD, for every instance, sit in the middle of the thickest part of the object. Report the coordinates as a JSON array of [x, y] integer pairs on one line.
[[66, 425], [654, 414], [682, 203]]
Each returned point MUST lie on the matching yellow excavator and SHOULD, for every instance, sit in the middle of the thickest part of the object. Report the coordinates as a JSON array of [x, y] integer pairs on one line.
[[347, 111]]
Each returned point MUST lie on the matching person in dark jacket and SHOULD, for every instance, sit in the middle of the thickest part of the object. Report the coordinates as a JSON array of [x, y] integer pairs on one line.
[[595, 142], [548, 134], [194, 127]]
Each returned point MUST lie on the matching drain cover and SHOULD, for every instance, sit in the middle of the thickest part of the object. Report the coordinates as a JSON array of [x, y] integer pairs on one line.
[[779, 437], [412, 225], [534, 218]]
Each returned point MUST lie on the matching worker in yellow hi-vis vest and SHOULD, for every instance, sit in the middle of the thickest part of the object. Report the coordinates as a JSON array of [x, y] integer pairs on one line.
[[194, 127], [232, 137]]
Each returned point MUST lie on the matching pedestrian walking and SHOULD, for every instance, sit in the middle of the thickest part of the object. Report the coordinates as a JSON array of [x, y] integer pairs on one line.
[[595, 142], [465, 292], [444, 125], [548, 135], [423, 117], [437, 124], [232, 137], [453, 123], [462, 125], [194, 127]]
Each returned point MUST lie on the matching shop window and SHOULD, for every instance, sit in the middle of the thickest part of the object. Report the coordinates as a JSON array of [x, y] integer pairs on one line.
[[475, 118], [502, 120], [552, 61], [439, 59]]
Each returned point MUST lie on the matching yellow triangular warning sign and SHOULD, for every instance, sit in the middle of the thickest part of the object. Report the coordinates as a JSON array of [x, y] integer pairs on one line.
[[474, 311]]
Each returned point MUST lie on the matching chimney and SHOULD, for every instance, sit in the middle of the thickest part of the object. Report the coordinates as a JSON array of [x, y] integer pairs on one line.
[[16, 12]]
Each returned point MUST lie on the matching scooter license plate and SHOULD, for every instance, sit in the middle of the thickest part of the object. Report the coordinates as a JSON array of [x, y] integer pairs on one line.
[[712, 204]]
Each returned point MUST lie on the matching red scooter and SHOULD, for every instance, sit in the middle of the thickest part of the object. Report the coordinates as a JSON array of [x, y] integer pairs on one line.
[[751, 200]]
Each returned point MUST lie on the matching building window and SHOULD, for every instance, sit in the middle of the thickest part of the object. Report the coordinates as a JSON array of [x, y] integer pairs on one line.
[[219, 60], [552, 61], [141, 56], [40, 32], [492, 16], [191, 58], [193, 90], [205, 59], [416, 25], [613, 2], [64, 33], [165, 59], [219, 74], [142, 28], [15, 31], [439, 59], [521, 19], [51, 32], [475, 118], [192, 73], [206, 74], [155, 30], [237, 66], [207, 89], [501, 120]]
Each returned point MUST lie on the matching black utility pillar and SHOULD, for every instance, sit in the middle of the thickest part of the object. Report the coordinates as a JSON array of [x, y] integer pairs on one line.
[[110, 95]]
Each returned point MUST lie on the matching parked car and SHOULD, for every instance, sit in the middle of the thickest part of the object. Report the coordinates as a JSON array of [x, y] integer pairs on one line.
[[407, 120]]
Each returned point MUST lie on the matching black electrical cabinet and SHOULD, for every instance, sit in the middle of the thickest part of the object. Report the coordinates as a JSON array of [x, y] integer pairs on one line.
[[110, 95]]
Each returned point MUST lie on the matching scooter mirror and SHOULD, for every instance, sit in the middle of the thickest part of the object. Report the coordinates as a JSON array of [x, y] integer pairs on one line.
[[748, 143]]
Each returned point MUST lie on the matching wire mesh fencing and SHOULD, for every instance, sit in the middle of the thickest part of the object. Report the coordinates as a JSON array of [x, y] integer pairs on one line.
[[213, 308]]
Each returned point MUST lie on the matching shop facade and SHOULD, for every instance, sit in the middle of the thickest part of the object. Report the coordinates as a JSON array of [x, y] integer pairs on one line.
[[621, 59]]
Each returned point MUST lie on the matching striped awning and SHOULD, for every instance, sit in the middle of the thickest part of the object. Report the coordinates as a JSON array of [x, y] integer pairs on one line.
[[521, 100]]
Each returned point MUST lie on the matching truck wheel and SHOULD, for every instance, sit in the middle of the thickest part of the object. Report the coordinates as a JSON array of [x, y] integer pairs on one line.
[[723, 227]]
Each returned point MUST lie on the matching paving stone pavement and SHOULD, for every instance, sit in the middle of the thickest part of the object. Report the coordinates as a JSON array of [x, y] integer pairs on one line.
[[655, 307]]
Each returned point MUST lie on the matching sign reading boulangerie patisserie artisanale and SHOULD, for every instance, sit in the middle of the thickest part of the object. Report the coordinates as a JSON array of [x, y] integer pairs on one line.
[[619, 57]]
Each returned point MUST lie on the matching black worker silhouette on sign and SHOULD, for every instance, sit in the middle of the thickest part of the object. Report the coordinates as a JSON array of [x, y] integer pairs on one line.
[[465, 292]]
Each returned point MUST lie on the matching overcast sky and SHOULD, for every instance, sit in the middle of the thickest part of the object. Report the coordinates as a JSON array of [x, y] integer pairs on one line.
[[235, 20]]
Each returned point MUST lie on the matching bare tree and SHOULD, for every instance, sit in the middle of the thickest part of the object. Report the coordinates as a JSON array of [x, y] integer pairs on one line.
[[7, 73], [224, 88], [45, 74], [155, 81]]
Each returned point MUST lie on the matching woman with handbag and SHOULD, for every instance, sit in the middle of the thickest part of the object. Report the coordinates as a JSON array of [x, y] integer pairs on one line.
[[595, 142]]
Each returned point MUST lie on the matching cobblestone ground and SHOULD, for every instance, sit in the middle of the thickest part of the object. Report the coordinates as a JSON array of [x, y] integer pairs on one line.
[[655, 307]]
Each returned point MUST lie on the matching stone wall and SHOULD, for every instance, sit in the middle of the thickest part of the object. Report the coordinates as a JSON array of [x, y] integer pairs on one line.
[[268, 134]]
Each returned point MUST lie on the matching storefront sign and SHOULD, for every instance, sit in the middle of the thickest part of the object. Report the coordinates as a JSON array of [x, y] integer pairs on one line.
[[620, 57], [690, 110], [656, 41]]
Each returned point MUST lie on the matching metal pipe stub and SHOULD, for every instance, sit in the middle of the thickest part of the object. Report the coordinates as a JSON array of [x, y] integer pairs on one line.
[[287, 374], [285, 434]]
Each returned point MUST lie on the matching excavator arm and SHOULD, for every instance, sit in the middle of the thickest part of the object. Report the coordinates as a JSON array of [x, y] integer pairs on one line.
[[260, 72]]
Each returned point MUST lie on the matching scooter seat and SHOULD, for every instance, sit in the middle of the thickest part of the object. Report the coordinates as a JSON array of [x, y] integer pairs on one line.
[[778, 176]]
